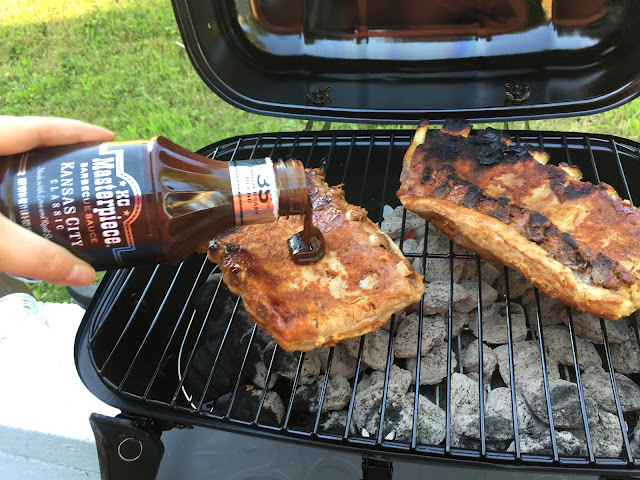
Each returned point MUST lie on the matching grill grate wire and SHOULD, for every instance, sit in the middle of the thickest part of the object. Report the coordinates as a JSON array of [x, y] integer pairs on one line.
[[368, 163]]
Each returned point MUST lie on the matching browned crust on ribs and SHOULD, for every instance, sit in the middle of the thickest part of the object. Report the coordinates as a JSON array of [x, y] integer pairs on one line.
[[362, 280], [576, 241]]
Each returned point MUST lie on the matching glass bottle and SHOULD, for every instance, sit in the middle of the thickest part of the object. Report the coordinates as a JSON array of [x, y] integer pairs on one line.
[[122, 204]]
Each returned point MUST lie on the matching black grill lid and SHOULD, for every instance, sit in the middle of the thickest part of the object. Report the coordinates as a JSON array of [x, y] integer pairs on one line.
[[398, 61]]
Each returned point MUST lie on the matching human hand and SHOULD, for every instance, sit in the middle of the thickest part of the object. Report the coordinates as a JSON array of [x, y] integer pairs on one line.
[[23, 252]]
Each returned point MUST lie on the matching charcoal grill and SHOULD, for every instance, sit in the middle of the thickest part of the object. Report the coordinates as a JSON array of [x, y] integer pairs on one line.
[[154, 339]]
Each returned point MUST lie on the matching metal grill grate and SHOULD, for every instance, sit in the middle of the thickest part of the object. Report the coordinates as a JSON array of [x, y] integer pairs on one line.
[[139, 344]]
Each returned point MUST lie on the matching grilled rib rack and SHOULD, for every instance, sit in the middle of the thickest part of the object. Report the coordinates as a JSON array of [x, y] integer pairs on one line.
[[137, 345]]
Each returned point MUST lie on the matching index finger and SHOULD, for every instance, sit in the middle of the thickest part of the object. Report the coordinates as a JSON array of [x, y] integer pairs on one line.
[[19, 134]]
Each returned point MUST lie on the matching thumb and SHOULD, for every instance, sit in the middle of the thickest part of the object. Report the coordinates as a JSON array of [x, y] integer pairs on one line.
[[26, 254]]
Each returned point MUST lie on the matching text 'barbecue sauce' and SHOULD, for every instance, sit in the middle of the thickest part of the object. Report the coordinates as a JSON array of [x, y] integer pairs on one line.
[[122, 204]]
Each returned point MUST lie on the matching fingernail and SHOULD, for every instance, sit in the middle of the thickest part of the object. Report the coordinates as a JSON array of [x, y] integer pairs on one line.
[[81, 274]]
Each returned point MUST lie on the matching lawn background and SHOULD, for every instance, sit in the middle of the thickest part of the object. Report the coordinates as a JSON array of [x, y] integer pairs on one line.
[[120, 64]]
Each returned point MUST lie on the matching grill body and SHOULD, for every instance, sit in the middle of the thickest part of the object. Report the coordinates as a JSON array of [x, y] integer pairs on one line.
[[138, 346]]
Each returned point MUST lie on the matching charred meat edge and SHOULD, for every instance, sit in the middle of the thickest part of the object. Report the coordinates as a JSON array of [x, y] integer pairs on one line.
[[589, 266]]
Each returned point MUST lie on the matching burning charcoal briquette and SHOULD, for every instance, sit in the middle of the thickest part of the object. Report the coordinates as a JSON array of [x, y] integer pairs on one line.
[[439, 269], [374, 350], [369, 394], [526, 362], [518, 285], [489, 273], [465, 409], [410, 245], [606, 436], [336, 397], [398, 421], [229, 360], [588, 327], [634, 444], [405, 343], [489, 294], [626, 356], [565, 403], [465, 399], [465, 433], [552, 312], [341, 363], [285, 364], [557, 344], [470, 361], [392, 225], [494, 323], [246, 405], [433, 365], [436, 298], [597, 383], [540, 444], [498, 404]]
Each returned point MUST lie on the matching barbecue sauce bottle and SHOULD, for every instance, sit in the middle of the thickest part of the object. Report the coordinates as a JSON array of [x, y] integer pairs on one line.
[[122, 204]]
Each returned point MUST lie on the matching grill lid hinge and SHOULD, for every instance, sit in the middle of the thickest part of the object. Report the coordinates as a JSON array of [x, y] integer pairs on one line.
[[376, 468]]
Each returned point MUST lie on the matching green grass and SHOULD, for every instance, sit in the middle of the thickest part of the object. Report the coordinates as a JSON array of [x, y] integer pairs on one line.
[[118, 63]]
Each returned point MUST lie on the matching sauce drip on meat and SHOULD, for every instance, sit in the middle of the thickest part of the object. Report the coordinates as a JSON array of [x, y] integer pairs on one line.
[[307, 246]]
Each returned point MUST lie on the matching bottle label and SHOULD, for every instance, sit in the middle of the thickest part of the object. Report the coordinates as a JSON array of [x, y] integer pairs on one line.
[[90, 200], [255, 196]]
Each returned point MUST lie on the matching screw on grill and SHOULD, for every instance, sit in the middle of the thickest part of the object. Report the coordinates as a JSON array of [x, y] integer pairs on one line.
[[320, 97], [517, 93]]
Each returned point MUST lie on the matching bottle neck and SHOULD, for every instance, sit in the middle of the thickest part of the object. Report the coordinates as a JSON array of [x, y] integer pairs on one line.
[[291, 184]]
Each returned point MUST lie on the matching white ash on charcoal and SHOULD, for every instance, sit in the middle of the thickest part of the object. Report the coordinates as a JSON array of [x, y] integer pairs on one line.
[[369, 391], [597, 383], [410, 245], [436, 298], [342, 363], [439, 269], [405, 344], [245, 406], [259, 378], [494, 323], [552, 312], [374, 350], [565, 403], [433, 365], [465, 397], [285, 364], [567, 443], [588, 327], [489, 294], [526, 362], [465, 410], [336, 397], [605, 434], [557, 344], [399, 317], [331, 422], [498, 404], [489, 273], [392, 225], [626, 356], [466, 433], [634, 444], [398, 421], [518, 285], [469, 360]]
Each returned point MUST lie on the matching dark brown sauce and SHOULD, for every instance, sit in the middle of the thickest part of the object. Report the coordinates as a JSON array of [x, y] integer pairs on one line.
[[307, 246]]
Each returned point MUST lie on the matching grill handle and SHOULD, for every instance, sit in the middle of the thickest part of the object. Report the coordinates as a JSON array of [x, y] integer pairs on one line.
[[376, 468], [126, 452]]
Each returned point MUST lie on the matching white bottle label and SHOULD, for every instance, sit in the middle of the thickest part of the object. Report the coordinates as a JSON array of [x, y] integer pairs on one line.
[[255, 196]]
